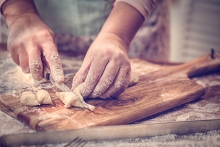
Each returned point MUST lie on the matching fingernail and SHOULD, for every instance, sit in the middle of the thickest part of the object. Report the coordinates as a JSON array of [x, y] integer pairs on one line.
[[26, 71]]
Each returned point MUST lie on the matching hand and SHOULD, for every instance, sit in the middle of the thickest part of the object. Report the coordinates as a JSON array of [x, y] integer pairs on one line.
[[105, 70], [30, 42]]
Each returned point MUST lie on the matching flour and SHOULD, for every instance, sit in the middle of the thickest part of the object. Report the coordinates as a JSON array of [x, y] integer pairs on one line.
[[100, 88], [57, 73], [56, 67], [214, 81], [119, 83], [13, 79], [209, 139], [55, 57], [142, 67], [9, 125], [36, 69]]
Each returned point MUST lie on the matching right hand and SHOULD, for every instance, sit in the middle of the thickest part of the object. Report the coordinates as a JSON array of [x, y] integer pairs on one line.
[[30, 42], [105, 71]]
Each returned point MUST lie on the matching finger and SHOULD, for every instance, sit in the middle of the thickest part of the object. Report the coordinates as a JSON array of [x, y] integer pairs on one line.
[[35, 63], [13, 49], [95, 72], [80, 76], [24, 61], [19, 56], [119, 84], [106, 80], [124, 86], [53, 60]]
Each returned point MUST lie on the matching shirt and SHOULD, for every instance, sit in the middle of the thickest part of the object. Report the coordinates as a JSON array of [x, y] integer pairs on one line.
[[143, 6]]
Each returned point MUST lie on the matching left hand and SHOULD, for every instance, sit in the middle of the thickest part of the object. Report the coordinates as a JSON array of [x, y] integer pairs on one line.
[[106, 68]]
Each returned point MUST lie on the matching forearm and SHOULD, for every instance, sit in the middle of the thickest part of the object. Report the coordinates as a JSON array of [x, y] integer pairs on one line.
[[124, 21], [12, 9]]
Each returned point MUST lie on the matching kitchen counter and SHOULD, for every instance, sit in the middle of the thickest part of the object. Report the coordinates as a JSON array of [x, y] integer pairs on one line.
[[204, 108]]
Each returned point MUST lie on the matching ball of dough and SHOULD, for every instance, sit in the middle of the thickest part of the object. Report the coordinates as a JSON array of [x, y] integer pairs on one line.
[[43, 97], [73, 99], [29, 99]]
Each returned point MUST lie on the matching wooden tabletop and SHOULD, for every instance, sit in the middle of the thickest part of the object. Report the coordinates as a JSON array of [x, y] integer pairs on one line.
[[207, 107]]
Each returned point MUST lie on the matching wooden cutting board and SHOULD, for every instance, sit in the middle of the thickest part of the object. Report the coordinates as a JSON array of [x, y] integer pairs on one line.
[[159, 90]]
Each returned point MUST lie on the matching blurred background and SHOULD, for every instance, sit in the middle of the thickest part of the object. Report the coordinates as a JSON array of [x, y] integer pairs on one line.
[[195, 28], [189, 29]]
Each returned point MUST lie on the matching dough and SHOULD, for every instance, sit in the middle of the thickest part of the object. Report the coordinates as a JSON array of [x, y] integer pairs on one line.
[[74, 99], [69, 99], [29, 99], [43, 97]]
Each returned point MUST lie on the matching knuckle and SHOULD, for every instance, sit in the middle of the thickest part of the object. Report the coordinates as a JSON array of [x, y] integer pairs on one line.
[[120, 55], [13, 44], [45, 34], [108, 51], [122, 59]]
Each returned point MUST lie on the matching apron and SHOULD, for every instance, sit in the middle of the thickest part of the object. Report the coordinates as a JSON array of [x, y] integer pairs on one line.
[[77, 22], [77, 17]]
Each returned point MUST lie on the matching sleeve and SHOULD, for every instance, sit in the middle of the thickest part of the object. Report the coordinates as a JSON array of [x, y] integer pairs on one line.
[[1, 3], [143, 6]]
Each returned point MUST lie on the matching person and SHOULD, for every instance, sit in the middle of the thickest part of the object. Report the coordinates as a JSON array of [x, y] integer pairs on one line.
[[105, 71]]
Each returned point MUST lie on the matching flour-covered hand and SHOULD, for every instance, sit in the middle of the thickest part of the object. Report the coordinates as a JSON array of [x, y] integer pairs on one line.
[[30, 42], [105, 71]]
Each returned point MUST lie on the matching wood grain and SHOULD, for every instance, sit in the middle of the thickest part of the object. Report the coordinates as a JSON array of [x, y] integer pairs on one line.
[[157, 91]]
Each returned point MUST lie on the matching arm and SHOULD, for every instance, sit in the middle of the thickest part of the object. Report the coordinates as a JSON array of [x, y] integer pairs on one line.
[[106, 68], [30, 40], [13, 9], [124, 21]]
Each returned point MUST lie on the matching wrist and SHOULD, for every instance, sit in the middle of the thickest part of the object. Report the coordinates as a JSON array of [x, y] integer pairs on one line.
[[13, 9], [124, 21], [112, 38]]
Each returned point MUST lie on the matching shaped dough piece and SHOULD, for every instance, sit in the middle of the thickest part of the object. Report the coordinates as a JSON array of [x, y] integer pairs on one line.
[[69, 99], [43, 97], [74, 99], [29, 99], [86, 105]]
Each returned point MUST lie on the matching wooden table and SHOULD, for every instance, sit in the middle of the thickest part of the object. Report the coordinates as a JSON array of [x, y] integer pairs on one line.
[[207, 107]]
